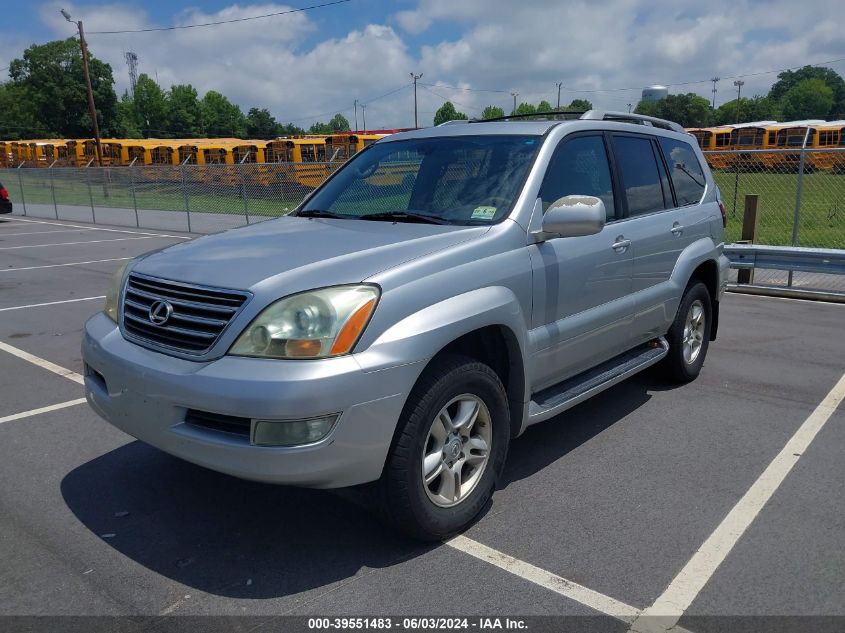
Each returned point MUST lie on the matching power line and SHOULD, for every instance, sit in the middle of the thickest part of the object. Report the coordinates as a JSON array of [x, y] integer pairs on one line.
[[194, 26]]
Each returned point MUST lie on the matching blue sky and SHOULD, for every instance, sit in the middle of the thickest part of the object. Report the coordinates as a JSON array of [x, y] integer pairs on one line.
[[303, 65]]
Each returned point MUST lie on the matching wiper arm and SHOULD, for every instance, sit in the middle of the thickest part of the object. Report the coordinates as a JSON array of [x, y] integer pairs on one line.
[[404, 216], [322, 213]]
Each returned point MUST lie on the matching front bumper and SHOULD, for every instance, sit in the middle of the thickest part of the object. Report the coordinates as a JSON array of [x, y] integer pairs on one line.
[[146, 394]]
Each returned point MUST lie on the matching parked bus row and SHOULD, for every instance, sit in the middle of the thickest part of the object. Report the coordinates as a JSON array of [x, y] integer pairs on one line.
[[748, 146], [174, 152]]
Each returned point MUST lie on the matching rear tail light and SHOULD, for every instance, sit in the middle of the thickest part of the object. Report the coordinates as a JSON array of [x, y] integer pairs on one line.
[[4, 195], [724, 215]]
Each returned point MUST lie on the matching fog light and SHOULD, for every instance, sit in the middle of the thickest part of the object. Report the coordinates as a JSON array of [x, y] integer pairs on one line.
[[291, 432]]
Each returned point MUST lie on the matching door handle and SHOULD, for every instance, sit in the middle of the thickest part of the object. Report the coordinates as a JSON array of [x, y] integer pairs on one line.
[[621, 244], [676, 229]]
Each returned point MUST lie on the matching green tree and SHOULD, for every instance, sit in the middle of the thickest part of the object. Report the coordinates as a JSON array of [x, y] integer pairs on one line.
[[544, 106], [17, 119], [151, 107], [791, 78], [183, 111], [52, 77], [689, 110], [579, 104], [261, 124], [808, 99], [447, 112], [492, 112], [221, 117], [757, 108], [525, 108], [127, 123], [289, 129], [339, 123]]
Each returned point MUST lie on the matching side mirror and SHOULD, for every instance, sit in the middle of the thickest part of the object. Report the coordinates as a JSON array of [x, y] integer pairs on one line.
[[572, 216]]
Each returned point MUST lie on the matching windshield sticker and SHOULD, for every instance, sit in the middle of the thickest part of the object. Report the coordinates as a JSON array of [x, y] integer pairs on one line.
[[483, 213]]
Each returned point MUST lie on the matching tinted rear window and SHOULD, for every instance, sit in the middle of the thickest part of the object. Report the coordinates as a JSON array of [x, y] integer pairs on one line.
[[640, 176], [685, 171]]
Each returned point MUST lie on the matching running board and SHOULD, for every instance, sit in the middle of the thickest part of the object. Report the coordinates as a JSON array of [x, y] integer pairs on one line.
[[558, 398]]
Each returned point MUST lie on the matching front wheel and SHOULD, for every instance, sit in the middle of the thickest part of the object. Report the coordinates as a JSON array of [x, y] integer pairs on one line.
[[689, 336], [448, 451]]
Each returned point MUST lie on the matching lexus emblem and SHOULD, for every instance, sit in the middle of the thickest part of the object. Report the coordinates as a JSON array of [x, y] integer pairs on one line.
[[160, 312]]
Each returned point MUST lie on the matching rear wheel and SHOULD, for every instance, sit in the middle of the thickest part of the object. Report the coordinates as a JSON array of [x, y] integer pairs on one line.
[[448, 451], [689, 336]]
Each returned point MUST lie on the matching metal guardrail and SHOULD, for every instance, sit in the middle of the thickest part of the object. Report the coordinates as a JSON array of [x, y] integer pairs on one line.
[[813, 261]]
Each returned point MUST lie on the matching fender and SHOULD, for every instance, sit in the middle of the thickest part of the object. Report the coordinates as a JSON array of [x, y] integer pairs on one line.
[[691, 258], [419, 336]]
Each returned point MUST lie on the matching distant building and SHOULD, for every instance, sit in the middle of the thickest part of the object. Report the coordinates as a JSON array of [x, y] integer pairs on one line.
[[655, 93]]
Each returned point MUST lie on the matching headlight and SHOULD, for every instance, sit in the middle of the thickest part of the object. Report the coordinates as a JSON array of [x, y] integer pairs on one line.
[[314, 324], [113, 293]]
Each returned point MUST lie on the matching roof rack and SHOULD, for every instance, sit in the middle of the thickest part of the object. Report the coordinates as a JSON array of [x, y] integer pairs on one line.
[[628, 117], [588, 115], [452, 122]]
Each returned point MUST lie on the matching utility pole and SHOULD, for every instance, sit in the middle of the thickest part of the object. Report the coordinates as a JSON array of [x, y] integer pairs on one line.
[[91, 108], [415, 77], [739, 84], [715, 80], [514, 95], [629, 108], [364, 114], [559, 84], [356, 115], [132, 61]]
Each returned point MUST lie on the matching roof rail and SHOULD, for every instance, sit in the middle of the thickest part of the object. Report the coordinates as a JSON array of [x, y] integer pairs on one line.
[[641, 119], [452, 122]]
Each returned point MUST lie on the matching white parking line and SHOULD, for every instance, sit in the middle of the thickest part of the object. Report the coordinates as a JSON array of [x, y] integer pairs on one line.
[[99, 228], [52, 407], [119, 239], [593, 599], [44, 364], [681, 592], [5, 235], [94, 261], [51, 303]]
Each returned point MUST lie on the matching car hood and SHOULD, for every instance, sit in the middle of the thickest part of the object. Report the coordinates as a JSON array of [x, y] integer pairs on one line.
[[301, 253]]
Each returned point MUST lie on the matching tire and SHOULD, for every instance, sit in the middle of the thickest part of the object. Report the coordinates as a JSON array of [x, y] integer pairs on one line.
[[428, 512], [684, 361]]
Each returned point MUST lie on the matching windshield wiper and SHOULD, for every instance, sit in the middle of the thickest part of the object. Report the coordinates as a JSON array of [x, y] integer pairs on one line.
[[404, 216], [322, 213]]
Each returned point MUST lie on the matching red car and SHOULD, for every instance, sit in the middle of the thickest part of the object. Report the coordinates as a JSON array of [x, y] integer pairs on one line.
[[5, 203]]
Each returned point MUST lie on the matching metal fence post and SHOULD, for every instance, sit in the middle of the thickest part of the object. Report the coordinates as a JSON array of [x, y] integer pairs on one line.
[[132, 186], [797, 214], [243, 195], [20, 182], [185, 195], [90, 193], [53, 189]]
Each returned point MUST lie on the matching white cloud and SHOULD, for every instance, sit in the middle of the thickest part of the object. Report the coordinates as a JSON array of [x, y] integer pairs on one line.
[[509, 46]]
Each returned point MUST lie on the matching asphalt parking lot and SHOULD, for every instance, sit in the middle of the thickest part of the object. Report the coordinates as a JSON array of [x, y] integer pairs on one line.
[[722, 498]]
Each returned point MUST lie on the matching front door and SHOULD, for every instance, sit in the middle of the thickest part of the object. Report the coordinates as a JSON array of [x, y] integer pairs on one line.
[[582, 285]]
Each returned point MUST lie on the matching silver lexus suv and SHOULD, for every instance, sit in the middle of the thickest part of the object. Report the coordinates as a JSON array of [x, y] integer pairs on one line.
[[443, 291]]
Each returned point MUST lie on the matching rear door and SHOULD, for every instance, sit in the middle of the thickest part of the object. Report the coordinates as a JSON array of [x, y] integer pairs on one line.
[[662, 221], [582, 285]]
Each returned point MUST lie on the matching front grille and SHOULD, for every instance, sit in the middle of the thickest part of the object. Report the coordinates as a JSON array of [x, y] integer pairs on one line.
[[198, 317], [218, 422]]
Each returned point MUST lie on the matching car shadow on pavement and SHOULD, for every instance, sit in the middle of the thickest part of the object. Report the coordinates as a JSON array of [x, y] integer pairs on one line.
[[242, 539]]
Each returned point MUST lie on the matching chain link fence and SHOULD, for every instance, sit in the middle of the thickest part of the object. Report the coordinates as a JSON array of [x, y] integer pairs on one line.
[[195, 198], [800, 202]]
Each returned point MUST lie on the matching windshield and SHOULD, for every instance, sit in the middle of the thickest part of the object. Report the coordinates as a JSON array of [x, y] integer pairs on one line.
[[455, 180]]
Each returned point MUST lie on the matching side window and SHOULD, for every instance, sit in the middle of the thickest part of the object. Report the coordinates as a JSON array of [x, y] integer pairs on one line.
[[640, 175], [579, 167], [686, 172]]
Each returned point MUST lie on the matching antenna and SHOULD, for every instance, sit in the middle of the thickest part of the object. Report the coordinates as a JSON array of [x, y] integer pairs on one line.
[[132, 61]]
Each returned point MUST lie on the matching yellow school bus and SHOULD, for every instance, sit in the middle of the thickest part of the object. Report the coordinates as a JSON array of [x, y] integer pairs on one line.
[[830, 135], [5, 153], [713, 139], [306, 157], [793, 135], [760, 135], [341, 147]]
